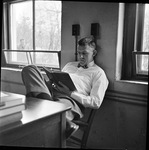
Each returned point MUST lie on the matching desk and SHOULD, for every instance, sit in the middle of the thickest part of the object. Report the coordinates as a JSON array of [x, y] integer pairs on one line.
[[43, 125]]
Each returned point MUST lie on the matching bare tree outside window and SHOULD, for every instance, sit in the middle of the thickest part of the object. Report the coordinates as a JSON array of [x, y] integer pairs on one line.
[[39, 33], [48, 25], [22, 26]]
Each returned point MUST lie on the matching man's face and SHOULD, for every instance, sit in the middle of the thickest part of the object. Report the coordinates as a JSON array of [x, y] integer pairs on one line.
[[85, 55]]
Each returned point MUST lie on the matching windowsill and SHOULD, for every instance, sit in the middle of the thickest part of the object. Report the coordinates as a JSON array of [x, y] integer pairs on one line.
[[133, 82], [15, 69], [11, 69], [120, 81], [20, 69]]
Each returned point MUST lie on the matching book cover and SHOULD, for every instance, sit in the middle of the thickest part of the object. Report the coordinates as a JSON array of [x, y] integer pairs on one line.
[[63, 77], [11, 110], [11, 99], [10, 118]]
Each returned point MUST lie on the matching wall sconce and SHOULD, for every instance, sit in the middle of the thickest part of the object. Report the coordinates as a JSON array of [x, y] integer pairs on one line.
[[75, 29], [95, 31]]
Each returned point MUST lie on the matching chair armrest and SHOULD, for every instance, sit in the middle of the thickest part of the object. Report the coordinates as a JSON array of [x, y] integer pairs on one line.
[[80, 123]]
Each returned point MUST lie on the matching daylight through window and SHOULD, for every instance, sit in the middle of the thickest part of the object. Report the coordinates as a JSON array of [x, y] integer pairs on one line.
[[145, 43], [34, 29]]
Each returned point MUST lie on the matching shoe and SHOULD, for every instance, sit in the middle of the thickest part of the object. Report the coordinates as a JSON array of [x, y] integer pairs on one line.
[[71, 128]]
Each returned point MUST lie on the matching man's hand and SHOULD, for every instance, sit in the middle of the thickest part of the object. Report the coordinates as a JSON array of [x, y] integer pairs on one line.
[[63, 89]]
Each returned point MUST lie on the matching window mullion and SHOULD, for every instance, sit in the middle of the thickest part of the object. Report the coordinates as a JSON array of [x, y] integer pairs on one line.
[[8, 26], [33, 61], [33, 24]]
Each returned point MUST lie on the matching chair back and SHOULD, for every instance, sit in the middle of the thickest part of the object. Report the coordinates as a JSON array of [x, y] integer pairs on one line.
[[84, 125]]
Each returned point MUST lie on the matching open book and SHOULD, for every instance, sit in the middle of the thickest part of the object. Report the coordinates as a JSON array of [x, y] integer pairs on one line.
[[63, 77]]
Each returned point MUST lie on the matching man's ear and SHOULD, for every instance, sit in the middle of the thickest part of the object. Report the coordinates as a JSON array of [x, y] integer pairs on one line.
[[94, 53]]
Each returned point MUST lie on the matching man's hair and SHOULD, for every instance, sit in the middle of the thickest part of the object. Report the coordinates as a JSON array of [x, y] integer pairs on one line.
[[87, 41]]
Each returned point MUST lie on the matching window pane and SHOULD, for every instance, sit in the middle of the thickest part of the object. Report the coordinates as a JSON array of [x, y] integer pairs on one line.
[[142, 62], [48, 25], [21, 58], [46, 59], [21, 25], [144, 59]]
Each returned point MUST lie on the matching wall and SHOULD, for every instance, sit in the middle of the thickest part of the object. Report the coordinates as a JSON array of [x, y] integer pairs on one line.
[[121, 120], [106, 14], [120, 126]]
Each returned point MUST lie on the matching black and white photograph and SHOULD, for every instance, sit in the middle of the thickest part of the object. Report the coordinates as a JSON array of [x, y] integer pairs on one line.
[[74, 75]]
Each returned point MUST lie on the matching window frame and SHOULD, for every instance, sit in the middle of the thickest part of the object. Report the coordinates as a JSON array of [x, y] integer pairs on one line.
[[132, 41], [29, 59], [6, 35]]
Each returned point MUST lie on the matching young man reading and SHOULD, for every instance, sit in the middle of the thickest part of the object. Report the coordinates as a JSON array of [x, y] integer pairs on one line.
[[90, 80]]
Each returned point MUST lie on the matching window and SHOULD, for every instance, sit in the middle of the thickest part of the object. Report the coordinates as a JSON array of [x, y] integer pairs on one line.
[[32, 33], [136, 42]]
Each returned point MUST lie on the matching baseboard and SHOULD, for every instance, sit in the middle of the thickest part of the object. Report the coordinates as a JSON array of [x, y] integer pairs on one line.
[[126, 97]]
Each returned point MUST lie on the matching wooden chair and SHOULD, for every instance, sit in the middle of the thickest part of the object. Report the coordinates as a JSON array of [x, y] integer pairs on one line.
[[84, 127]]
